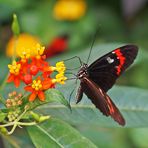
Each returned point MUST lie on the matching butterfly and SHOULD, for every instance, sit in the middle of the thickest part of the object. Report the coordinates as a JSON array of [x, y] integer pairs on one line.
[[97, 78]]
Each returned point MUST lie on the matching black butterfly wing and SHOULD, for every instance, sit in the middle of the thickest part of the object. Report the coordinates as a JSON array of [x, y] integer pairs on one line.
[[101, 100], [108, 68]]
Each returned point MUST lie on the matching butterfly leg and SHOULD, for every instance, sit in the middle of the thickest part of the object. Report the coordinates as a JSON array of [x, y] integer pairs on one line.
[[74, 58]]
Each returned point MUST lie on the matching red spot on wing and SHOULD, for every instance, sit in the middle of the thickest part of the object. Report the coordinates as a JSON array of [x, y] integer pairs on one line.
[[121, 60]]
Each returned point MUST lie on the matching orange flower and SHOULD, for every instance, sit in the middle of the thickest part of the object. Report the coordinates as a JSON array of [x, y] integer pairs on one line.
[[38, 87], [23, 45], [69, 9], [15, 73]]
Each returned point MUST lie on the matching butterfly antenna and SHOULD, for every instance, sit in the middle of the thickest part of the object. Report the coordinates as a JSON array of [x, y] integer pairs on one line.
[[92, 44]]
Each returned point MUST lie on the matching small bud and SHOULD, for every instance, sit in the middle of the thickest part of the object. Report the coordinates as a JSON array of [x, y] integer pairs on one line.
[[8, 101], [13, 118], [26, 107], [19, 95], [35, 116], [8, 105], [28, 79], [10, 119], [4, 130], [10, 113], [15, 26], [10, 95], [16, 98], [18, 111], [19, 102], [14, 104], [16, 115], [43, 118], [14, 93], [34, 70]]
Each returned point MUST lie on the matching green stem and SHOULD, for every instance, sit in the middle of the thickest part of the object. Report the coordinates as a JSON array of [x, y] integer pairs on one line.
[[8, 124], [4, 82], [19, 123], [2, 100], [15, 45], [27, 123], [13, 128]]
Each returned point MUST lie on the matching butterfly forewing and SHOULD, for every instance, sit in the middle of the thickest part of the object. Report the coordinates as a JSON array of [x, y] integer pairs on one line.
[[101, 100], [108, 68]]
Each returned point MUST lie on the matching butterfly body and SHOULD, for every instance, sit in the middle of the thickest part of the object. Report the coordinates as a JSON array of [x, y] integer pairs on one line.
[[97, 78]]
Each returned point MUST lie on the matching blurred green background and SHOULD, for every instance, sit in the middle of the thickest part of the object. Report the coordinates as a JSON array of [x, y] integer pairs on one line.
[[118, 22]]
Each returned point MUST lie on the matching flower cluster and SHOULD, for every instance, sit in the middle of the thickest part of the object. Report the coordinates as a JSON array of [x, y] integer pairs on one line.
[[12, 115], [32, 69], [14, 100]]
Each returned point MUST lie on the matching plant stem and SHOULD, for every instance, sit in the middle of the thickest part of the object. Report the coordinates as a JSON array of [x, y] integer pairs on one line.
[[27, 123], [15, 45], [2, 100], [4, 82]]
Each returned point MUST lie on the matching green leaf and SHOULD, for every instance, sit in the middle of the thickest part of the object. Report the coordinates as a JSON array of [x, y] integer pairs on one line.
[[19, 138], [132, 102], [139, 137], [99, 136], [51, 95], [56, 133]]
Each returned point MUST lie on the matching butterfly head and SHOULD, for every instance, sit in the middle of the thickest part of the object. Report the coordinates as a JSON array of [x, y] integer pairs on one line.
[[83, 71]]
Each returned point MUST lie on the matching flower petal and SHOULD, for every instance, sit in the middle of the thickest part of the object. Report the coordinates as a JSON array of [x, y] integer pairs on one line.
[[47, 83], [28, 88], [16, 82], [41, 96], [10, 78], [32, 97]]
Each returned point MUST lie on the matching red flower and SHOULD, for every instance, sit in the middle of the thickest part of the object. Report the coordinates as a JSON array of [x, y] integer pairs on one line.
[[15, 73], [38, 87], [15, 78], [58, 45]]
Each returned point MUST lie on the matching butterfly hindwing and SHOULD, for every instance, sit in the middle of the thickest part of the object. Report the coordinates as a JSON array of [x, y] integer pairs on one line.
[[101, 100], [109, 67], [79, 94]]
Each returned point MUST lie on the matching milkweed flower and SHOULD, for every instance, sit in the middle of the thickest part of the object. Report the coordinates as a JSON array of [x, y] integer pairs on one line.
[[60, 67], [31, 64], [38, 87], [69, 9], [24, 54], [60, 78], [38, 51], [15, 73]]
